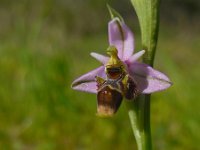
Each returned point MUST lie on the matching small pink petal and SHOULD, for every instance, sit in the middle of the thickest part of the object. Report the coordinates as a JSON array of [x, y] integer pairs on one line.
[[136, 56], [86, 81], [103, 59], [148, 79], [121, 37]]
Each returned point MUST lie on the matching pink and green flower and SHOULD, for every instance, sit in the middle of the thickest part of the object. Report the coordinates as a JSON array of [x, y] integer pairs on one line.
[[146, 78]]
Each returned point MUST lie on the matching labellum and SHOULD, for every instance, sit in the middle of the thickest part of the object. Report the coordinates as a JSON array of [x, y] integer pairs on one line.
[[118, 84]]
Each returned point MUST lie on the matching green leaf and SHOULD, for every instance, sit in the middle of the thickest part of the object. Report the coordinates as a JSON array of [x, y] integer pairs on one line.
[[148, 15]]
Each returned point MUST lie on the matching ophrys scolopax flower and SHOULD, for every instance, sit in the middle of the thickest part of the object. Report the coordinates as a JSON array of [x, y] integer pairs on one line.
[[121, 75]]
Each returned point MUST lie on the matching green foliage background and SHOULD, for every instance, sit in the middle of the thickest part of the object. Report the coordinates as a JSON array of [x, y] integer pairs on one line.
[[45, 45]]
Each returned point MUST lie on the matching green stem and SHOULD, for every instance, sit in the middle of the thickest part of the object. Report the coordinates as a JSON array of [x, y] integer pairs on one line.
[[139, 115], [139, 111]]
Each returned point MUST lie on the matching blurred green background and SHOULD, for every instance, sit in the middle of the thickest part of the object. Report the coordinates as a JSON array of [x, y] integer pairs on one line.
[[45, 45]]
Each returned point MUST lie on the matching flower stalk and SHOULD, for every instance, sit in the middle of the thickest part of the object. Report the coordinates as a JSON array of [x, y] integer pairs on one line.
[[140, 121], [139, 113]]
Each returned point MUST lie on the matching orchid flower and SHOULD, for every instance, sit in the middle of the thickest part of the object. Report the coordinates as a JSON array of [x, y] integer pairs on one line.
[[146, 79]]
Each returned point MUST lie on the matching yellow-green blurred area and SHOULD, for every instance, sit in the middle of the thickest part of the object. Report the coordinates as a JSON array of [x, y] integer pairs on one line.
[[45, 45]]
